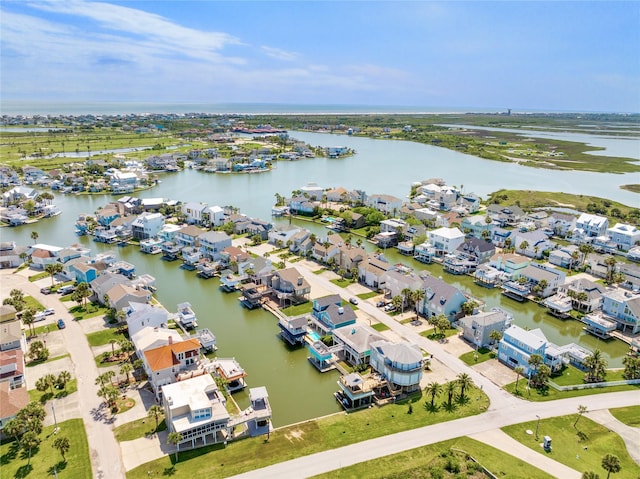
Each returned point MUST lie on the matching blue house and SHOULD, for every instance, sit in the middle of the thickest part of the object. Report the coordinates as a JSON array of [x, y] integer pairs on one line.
[[329, 314], [84, 272], [518, 345]]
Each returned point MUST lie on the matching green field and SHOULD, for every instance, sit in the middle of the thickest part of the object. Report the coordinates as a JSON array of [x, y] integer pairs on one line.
[[580, 447], [433, 460], [628, 415], [45, 458]]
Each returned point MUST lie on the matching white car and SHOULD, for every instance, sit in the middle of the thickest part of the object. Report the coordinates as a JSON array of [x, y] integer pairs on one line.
[[40, 315]]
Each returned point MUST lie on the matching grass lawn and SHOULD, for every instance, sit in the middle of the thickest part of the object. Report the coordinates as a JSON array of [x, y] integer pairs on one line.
[[551, 394], [343, 283], [31, 302], [310, 437], [428, 461], [629, 415], [139, 428], [320, 271], [434, 336], [98, 338], [45, 329], [43, 397], [45, 457], [580, 448], [38, 276], [572, 376], [473, 357], [89, 311], [380, 327], [55, 358], [123, 404], [368, 295], [298, 309]]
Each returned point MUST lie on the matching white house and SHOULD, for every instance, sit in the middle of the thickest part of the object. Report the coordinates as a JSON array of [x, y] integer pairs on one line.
[[625, 236], [445, 240], [590, 226], [147, 225], [386, 203]]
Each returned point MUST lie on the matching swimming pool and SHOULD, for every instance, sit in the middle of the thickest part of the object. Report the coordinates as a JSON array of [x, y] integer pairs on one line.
[[314, 336]]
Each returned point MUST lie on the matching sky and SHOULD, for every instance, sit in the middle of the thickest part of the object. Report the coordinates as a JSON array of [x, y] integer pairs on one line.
[[546, 56]]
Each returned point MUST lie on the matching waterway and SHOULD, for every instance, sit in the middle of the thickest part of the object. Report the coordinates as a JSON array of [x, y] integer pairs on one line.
[[296, 391]]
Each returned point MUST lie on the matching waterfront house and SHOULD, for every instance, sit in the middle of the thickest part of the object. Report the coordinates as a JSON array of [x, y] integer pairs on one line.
[[312, 191], [440, 298], [230, 370], [536, 273], [350, 257], [81, 271], [400, 364], [151, 337], [590, 226], [511, 264], [293, 329], [212, 243], [394, 225], [258, 227], [328, 313], [235, 259], [470, 202], [624, 236], [300, 205], [475, 250], [477, 329], [120, 295], [301, 242], [144, 315], [499, 236], [196, 409], [386, 240], [477, 226], [518, 345], [385, 203], [356, 342], [147, 225], [104, 282], [18, 195], [189, 236], [355, 391], [585, 295], [624, 308], [337, 195], [164, 363], [424, 252], [445, 240], [323, 252], [289, 285], [631, 274], [371, 270], [168, 232]]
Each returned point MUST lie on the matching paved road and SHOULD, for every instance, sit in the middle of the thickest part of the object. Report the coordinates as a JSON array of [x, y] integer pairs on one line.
[[475, 426], [106, 460]]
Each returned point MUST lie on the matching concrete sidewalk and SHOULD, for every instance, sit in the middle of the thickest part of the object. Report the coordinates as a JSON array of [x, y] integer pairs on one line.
[[500, 440]]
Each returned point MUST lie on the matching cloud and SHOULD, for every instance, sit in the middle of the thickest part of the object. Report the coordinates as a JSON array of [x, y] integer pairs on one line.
[[279, 54]]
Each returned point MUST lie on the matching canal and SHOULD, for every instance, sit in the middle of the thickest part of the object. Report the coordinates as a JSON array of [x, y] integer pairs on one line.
[[296, 391]]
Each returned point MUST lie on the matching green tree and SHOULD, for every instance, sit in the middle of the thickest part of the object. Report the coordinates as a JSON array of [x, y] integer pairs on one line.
[[433, 389], [125, 369], [596, 366], [28, 442], [443, 324], [495, 336], [63, 378], [34, 234], [155, 412], [631, 367], [523, 246], [38, 351], [519, 370], [450, 389], [62, 444], [28, 318], [611, 464], [590, 475], [175, 438], [581, 410], [13, 428], [468, 307], [83, 291], [52, 269], [464, 381]]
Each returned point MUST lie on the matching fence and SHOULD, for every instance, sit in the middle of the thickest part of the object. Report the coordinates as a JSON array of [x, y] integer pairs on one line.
[[574, 387]]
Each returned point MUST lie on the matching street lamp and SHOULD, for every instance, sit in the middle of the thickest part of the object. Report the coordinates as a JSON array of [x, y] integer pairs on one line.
[[537, 426], [55, 421]]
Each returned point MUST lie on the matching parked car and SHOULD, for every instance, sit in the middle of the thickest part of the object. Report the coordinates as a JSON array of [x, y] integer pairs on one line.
[[61, 324], [40, 315], [353, 300], [380, 304], [389, 308], [67, 289], [45, 290]]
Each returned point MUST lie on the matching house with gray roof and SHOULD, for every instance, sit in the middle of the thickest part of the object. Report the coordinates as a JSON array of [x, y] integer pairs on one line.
[[477, 329], [329, 313], [624, 308], [356, 342], [440, 298], [400, 364]]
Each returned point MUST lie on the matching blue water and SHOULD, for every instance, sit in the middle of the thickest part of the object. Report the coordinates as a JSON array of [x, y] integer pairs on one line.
[[314, 336]]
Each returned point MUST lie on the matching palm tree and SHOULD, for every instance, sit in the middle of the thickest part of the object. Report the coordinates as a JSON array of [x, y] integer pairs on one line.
[[519, 370], [524, 245], [585, 249], [581, 410], [610, 263], [28, 318], [464, 381], [62, 444], [175, 438], [83, 291], [596, 366], [574, 260], [433, 389], [63, 378], [155, 412], [125, 369], [589, 475], [450, 389], [535, 360], [52, 269], [495, 336], [406, 294], [611, 463], [29, 441], [34, 236]]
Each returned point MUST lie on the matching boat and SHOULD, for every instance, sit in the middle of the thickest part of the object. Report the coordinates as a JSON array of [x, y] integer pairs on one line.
[[186, 316]]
